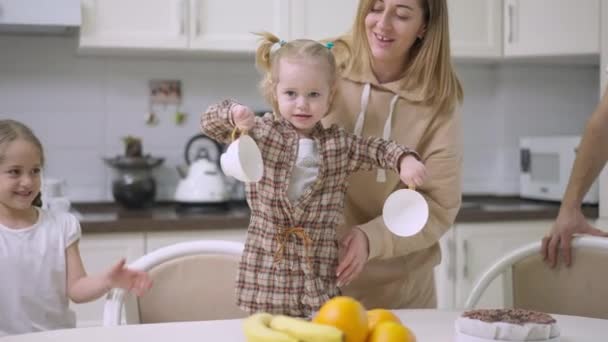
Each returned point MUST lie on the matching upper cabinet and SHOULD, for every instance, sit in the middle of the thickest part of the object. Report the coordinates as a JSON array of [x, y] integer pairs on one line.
[[524, 28], [158, 24], [476, 28], [321, 19], [228, 25], [207, 25]]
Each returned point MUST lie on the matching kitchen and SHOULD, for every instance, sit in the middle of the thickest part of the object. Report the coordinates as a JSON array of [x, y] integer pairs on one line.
[[97, 81]]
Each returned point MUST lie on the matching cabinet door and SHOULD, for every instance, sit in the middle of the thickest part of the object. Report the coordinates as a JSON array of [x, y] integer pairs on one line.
[[321, 19], [475, 28], [445, 271], [228, 25], [158, 24], [551, 27], [98, 252], [161, 239], [479, 245]]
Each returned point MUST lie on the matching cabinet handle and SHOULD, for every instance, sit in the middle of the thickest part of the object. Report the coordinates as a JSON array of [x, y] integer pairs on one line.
[[511, 12], [182, 17], [465, 259], [198, 17]]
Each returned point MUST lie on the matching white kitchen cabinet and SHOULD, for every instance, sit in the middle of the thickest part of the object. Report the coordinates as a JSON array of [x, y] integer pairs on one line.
[[479, 245], [476, 28], [159, 24], [551, 27], [157, 240], [445, 271], [228, 25], [524, 28], [321, 19], [99, 252], [208, 25]]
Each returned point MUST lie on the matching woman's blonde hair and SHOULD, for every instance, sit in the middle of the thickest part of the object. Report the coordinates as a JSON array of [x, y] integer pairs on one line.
[[270, 52], [429, 67], [11, 130]]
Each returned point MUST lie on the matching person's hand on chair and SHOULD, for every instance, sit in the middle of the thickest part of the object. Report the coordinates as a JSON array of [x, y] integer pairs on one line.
[[570, 221]]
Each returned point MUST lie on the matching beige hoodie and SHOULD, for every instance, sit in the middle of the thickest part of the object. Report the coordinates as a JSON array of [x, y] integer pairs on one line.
[[399, 272]]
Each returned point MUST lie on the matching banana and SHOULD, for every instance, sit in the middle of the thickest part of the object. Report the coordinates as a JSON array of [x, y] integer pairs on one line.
[[306, 331], [256, 328]]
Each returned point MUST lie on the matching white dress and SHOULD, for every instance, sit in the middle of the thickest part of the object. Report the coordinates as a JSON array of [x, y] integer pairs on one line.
[[33, 286]]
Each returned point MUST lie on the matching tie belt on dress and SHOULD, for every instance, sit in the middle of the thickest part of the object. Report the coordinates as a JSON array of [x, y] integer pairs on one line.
[[283, 238]]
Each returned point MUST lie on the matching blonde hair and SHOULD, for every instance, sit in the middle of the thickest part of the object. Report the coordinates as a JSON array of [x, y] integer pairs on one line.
[[270, 52], [429, 67], [10, 131]]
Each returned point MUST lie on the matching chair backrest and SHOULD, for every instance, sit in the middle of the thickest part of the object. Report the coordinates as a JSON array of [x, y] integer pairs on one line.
[[577, 290], [191, 281]]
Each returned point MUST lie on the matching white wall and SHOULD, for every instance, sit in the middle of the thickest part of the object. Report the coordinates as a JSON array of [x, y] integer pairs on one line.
[[81, 107]]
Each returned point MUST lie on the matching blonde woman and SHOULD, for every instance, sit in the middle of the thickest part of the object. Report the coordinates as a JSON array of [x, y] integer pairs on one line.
[[398, 82]]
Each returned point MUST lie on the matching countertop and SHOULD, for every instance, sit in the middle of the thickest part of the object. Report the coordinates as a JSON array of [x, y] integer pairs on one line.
[[427, 325], [110, 217]]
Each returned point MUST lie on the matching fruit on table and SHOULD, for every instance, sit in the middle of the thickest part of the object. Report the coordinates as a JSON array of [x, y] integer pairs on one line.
[[346, 314], [306, 331], [391, 332], [376, 316], [257, 329]]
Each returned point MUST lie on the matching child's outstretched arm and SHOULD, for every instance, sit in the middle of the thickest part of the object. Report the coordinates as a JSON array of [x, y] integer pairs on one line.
[[85, 288], [372, 152], [219, 120]]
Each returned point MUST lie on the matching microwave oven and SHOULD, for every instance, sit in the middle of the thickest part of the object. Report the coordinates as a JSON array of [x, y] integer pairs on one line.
[[545, 167]]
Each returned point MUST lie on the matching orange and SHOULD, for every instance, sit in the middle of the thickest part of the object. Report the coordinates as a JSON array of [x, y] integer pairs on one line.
[[391, 332], [376, 316], [346, 314]]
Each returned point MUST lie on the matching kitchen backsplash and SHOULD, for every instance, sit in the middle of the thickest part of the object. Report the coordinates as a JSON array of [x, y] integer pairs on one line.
[[81, 107]]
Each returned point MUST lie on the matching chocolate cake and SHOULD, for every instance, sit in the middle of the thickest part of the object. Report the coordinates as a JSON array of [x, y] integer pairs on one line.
[[506, 325]]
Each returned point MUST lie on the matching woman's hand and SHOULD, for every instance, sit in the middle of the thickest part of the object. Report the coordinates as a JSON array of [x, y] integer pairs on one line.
[[354, 251], [122, 277], [411, 171], [569, 221], [242, 117]]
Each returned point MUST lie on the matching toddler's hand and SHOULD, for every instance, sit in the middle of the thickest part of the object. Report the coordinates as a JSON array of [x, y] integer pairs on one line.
[[411, 171], [243, 117]]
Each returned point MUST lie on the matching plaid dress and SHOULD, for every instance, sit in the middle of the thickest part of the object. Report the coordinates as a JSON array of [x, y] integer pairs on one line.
[[291, 251]]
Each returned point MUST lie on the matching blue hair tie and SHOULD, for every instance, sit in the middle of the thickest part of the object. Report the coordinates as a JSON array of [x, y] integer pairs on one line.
[[329, 45], [282, 42]]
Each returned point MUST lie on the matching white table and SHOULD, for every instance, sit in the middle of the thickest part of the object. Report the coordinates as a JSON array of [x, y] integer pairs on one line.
[[428, 325]]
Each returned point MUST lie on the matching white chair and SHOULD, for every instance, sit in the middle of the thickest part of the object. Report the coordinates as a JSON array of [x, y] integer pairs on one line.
[[529, 283], [191, 281]]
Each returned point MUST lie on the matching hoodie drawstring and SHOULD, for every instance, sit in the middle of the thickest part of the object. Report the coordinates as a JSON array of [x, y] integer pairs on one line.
[[386, 133]]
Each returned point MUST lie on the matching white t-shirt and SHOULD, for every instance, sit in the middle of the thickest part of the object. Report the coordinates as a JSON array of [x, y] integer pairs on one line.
[[33, 285], [305, 170]]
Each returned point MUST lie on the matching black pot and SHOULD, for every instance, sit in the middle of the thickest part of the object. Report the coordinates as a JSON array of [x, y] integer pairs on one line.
[[134, 186]]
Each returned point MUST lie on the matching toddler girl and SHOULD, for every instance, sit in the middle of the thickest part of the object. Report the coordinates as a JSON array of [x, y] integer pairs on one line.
[[291, 252]]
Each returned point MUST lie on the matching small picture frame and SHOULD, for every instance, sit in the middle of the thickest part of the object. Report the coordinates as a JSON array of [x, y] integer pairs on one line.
[[165, 92]]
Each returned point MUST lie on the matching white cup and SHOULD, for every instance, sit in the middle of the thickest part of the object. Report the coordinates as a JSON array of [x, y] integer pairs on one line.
[[243, 160], [405, 212]]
